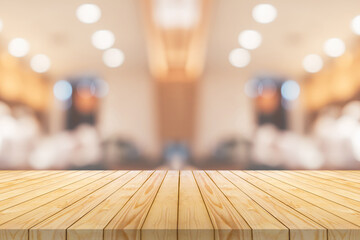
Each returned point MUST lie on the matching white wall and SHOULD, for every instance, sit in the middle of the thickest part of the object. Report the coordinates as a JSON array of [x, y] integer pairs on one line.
[[129, 110], [223, 109]]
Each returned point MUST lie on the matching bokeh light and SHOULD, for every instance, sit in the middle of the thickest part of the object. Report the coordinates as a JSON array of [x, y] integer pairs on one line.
[[18, 47], [312, 63], [88, 13], [40, 63], [239, 57], [334, 47], [250, 39], [264, 13], [355, 25], [1, 25], [113, 57], [103, 39], [176, 14], [62, 90], [290, 90]]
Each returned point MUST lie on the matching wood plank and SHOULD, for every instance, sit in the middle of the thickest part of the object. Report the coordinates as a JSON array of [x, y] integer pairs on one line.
[[347, 202], [338, 228], [332, 178], [91, 226], [227, 222], [73, 177], [103, 205], [346, 190], [27, 206], [12, 185], [194, 220], [128, 222], [352, 174], [300, 226], [16, 177], [341, 176], [18, 228], [45, 183], [161, 221], [262, 223], [320, 185], [328, 205], [55, 226], [7, 174]]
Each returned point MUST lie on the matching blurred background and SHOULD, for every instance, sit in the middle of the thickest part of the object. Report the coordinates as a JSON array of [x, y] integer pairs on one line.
[[179, 84]]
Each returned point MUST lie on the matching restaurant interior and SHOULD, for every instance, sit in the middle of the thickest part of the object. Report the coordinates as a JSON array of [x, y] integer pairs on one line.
[[179, 84]]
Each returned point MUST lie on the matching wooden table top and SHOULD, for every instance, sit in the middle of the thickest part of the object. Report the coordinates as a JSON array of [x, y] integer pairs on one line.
[[94, 205]]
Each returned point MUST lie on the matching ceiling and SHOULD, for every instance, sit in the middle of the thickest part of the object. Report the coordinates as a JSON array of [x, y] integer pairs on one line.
[[51, 27], [301, 28]]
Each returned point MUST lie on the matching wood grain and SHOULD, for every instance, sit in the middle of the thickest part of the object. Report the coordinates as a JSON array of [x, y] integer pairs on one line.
[[194, 220], [262, 223], [228, 223], [56, 225], [91, 225], [156, 205], [128, 222], [300, 226], [337, 227], [161, 221]]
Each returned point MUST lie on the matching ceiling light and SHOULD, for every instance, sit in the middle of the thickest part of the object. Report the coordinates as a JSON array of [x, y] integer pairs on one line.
[[18, 47], [264, 13], [40, 63], [334, 47], [312, 63], [290, 90], [88, 13], [62, 90], [103, 39], [176, 13], [113, 57], [355, 25], [250, 39], [239, 57]]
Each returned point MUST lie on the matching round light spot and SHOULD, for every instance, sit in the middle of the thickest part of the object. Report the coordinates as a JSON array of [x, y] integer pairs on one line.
[[1, 25], [103, 39], [264, 13], [40, 63], [239, 57], [18, 47], [355, 25], [312, 63], [62, 90], [334, 47], [290, 90], [113, 57], [88, 13], [250, 39]]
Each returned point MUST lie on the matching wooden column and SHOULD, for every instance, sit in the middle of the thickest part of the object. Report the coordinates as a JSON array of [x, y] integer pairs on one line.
[[176, 61]]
